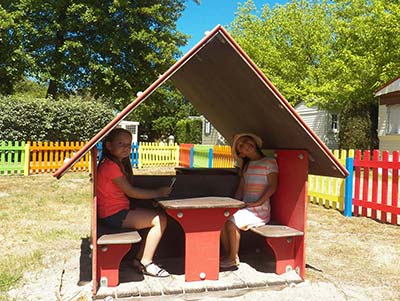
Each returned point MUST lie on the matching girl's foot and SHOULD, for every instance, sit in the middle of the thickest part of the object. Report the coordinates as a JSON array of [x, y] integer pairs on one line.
[[154, 270], [228, 263]]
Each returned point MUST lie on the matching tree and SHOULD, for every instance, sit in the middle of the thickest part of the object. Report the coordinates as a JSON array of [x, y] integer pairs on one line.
[[159, 115], [13, 59], [110, 49], [332, 54]]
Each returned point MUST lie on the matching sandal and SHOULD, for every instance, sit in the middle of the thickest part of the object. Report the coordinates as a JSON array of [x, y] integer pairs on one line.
[[154, 270]]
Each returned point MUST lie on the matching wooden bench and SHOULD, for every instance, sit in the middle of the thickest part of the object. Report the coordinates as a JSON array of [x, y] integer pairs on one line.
[[111, 248], [284, 242]]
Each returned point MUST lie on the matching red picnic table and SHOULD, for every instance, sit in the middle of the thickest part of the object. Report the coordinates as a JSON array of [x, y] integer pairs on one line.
[[202, 220]]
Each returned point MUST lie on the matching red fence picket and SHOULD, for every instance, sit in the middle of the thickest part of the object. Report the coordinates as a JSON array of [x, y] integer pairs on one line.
[[376, 185]]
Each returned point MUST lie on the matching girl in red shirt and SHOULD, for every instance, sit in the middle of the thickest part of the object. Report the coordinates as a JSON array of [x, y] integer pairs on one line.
[[113, 191]]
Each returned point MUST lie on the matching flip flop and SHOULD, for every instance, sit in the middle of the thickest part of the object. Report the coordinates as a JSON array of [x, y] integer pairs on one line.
[[154, 270]]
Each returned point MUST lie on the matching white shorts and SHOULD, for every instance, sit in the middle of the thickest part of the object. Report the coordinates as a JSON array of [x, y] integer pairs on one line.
[[246, 218]]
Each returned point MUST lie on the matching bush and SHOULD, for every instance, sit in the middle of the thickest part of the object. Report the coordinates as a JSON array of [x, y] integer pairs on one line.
[[26, 118], [189, 131], [358, 127]]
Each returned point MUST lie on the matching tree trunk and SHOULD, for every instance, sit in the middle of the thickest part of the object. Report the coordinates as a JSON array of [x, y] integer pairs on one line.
[[52, 89]]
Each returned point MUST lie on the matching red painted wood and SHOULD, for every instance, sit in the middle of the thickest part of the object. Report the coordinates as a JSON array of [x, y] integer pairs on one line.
[[94, 219], [202, 229], [357, 187], [285, 250], [288, 204], [365, 191], [108, 260], [374, 197], [395, 186], [377, 206], [384, 192]]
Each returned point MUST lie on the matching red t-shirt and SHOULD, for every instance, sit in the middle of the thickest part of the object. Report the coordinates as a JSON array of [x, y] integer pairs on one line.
[[110, 199]]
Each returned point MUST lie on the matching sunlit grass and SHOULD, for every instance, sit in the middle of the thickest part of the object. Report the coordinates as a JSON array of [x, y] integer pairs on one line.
[[13, 267], [42, 214]]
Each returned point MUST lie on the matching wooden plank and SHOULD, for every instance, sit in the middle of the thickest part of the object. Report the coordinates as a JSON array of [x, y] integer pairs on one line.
[[276, 231], [119, 238], [202, 203]]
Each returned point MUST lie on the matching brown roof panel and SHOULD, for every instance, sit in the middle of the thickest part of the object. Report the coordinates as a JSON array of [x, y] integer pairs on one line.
[[221, 81], [232, 93]]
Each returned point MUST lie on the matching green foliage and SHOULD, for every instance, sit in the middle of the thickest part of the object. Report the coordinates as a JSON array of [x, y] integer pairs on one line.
[[39, 119], [332, 54], [13, 58], [189, 131], [158, 116], [110, 49]]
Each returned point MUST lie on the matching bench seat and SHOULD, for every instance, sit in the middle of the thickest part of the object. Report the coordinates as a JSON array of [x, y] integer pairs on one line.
[[276, 231], [110, 251], [119, 238], [285, 242]]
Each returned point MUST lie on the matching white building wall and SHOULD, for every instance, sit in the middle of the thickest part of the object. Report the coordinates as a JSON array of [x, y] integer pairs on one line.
[[319, 121]]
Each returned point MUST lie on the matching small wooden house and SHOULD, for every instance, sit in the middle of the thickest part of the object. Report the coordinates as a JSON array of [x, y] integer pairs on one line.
[[389, 115], [223, 84]]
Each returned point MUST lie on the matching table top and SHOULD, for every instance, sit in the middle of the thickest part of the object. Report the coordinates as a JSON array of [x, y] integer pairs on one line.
[[202, 203]]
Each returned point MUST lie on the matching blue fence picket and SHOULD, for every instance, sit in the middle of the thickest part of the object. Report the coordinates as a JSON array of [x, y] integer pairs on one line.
[[134, 153], [348, 193]]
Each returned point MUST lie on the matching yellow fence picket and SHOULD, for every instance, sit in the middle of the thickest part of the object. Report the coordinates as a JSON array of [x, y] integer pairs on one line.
[[153, 154], [329, 191]]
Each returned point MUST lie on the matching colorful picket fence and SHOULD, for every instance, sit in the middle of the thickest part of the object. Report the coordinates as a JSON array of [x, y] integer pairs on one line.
[[371, 190], [134, 153], [186, 155], [222, 157], [158, 154], [328, 191], [13, 159], [376, 186], [46, 157]]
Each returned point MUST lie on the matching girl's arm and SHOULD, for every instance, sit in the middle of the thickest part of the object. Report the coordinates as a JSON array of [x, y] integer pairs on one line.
[[239, 190], [140, 193], [269, 190]]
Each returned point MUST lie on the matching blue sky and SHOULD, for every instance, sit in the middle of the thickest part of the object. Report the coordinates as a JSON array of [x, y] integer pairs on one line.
[[197, 19]]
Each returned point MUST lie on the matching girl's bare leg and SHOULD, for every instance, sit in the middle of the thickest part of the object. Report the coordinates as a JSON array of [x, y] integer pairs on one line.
[[225, 239], [233, 234], [141, 218]]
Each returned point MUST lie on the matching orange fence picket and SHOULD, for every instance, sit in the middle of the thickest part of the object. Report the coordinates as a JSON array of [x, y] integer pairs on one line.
[[49, 156]]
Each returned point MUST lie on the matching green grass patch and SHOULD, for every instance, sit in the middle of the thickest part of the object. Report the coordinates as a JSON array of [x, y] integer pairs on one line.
[[12, 268]]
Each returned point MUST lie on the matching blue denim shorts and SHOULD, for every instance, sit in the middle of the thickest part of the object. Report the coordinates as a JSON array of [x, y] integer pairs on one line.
[[116, 219]]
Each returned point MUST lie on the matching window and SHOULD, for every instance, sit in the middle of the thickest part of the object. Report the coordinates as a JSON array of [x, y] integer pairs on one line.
[[334, 123], [207, 128], [393, 119]]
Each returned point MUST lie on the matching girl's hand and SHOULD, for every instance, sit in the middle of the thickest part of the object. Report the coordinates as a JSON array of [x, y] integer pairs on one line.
[[164, 191]]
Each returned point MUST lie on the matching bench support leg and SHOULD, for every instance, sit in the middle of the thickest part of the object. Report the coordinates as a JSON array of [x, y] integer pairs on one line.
[[108, 260], [288, 254]]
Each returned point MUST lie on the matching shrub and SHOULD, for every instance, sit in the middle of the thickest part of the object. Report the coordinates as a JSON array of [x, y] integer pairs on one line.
[[189, 131], [358, 127], [27, 118]]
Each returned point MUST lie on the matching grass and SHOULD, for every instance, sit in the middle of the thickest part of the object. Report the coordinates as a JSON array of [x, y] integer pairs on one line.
[[42, 217]]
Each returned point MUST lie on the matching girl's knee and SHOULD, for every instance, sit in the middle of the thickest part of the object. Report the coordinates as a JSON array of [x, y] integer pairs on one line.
[[160, 219]]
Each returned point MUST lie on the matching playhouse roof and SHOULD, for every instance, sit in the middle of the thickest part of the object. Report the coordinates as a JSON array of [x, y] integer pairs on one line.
[[221, 81]]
